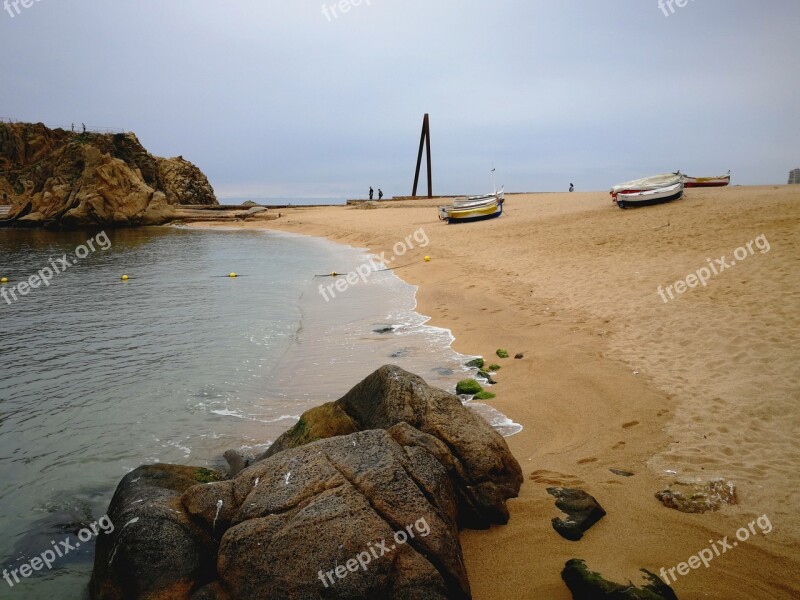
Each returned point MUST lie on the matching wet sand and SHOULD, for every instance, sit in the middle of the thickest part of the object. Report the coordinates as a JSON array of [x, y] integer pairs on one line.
[[706, 384]]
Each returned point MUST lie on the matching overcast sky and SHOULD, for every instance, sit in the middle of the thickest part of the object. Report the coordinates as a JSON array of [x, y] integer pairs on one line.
[[272, 98]]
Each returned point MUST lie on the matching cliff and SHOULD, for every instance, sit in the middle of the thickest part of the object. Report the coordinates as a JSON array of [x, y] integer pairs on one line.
[[60, 179]]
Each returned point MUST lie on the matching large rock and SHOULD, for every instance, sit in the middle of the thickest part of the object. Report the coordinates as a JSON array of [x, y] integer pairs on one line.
[[354, 502], [60, 179], [484, 472], [292, 519], [155, 550]]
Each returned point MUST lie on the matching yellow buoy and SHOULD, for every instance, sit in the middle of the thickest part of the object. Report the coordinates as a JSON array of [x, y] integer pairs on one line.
[[233, 275], [427, 259], [4, 280], [334, 274], [124, 278]]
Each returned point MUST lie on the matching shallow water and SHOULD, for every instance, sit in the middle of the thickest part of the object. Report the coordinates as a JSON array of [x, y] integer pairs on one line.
[[176, 365]]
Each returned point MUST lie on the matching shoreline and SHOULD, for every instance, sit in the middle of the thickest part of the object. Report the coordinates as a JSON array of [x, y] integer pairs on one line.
[[582, 407]]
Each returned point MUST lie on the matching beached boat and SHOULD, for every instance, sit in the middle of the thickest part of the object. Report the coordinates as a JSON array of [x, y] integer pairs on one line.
[[656, 182], [650, 197], [473, 208], [696, 182]]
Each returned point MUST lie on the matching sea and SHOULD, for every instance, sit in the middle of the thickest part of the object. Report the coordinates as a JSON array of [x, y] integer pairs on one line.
[[176, 364]]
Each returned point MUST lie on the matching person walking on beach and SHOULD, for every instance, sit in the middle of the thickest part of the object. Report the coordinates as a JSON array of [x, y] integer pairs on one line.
[[371, 192], [571, 187], [380, 194]]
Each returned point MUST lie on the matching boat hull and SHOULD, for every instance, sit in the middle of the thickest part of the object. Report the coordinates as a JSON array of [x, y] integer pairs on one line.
[[471, 215], [701, 182], [650, 197]]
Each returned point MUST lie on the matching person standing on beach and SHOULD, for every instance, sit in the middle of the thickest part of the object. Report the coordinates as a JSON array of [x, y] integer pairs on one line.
[[371, 192], [380, 194], [571, 187]]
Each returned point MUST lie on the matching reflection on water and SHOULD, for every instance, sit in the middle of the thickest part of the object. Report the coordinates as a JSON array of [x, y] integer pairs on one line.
[[178, 364]]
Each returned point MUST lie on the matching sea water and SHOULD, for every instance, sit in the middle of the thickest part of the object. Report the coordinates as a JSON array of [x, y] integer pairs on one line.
[[175, 365]]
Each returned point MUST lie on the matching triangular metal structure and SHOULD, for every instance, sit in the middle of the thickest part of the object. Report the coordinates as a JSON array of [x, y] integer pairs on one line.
[[424, 143]]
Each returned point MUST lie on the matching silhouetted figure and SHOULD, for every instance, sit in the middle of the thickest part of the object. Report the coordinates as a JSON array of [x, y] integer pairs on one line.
[[73, 128], [371, 192], [571, 187], [84, 127], [380, 194]]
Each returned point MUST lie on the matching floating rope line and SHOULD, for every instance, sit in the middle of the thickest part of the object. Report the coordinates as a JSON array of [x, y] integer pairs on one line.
[[336, 274]]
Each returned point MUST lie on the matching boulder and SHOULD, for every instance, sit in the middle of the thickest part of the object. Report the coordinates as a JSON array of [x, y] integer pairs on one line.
[[357, 516], [485, 473], [582, 512], [363, 498], [155, 550]]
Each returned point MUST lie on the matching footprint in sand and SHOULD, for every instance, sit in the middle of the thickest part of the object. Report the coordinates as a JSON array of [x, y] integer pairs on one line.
[[618, 446], [586, 461], [631, 424], [661, 413], [556, 479]]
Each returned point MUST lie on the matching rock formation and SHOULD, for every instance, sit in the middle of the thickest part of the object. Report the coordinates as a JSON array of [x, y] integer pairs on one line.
[[61, 179], [362, 499]]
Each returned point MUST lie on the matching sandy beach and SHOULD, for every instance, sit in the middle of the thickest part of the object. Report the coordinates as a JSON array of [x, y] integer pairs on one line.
[[616, 374]]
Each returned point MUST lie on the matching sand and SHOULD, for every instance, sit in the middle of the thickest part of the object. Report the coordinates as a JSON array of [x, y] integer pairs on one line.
[[706, 385]]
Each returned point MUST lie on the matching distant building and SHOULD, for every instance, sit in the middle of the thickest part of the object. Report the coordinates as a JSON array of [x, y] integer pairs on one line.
[[794, 176]]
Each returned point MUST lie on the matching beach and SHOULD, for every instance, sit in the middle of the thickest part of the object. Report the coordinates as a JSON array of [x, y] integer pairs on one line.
[[630, 362]]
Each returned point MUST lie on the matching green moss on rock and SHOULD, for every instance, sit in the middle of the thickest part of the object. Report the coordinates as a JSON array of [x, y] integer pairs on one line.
[[502, 353], [588, 585], [203, 475], [485, 396], [495, 367], [476, 363], [468, 387]]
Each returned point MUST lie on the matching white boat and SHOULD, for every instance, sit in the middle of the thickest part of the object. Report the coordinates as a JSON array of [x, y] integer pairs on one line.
[[650, 197], [473, 208], [656, 182], [720, 181]]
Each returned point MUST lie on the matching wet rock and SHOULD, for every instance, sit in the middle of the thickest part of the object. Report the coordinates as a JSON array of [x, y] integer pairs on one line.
[[484, 396], [695, 496], [519, 356], [236, 462], [502, 353], [587, 585], [487, 376], [384, 329], [155, 550], [582, 512], [476, 363], [402, 353], [444, 371], [468, 387]]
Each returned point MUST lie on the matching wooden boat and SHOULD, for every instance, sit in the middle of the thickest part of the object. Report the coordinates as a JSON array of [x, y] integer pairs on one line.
[[699, 182], [656, 182], [473, 208], [650, 197]]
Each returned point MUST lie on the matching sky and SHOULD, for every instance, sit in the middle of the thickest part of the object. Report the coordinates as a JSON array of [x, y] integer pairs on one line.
[[300, 98]]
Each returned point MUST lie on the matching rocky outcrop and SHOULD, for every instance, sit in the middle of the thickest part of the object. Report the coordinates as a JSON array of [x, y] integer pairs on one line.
[[61, 179], [485, 473], [362, 499], [588, 585]]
